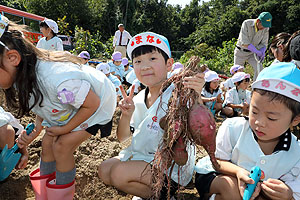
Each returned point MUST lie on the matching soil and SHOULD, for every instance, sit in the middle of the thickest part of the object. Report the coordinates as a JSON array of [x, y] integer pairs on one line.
[[88, 156]]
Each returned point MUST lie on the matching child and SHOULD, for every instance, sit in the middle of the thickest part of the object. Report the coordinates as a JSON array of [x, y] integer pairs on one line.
[[50, 41], [211, 93], [116, 67], [228, 84], [128, 69], [278, 45], [263, 140], [10, 128], [131, 170], [237, 99], [73, 101], [176, 68], [85, 56], [105, 68]]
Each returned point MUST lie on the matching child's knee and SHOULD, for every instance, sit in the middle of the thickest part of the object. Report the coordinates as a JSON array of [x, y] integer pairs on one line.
[[7, 136]]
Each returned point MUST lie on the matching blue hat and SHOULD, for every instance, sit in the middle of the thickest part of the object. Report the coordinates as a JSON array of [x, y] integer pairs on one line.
[[282, 78], [149, 38], [265, 19]]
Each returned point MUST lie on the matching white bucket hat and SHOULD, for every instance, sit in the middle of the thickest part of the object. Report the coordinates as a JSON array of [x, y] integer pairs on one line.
[[239, 76], [52, 25], [211, 76]]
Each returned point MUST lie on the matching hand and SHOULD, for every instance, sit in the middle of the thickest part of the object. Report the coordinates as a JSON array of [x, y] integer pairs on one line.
[[24, 159], [56, 131], [243, 178], [252, 48], [24, 140], [195, 82], [213, 99], [126, 104], [262, 51], [276, 189]]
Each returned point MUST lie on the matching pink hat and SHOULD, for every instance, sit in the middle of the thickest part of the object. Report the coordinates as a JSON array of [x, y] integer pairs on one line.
[[211, 76], [84, 55], [234, 68], [117, 56], [177, 65], [239, 76], [124, 61]]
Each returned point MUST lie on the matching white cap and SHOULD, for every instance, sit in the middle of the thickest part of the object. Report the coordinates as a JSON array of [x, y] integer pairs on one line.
[[52, 25], [211, 76], [103, 67], [239, 76], [149, 38]]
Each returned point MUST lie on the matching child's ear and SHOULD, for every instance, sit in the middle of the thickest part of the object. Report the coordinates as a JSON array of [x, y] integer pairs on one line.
[[296, 120], [170, 63], [13, 57]]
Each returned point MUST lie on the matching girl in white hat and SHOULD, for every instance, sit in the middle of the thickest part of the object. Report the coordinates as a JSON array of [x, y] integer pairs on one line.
[[50, 41]]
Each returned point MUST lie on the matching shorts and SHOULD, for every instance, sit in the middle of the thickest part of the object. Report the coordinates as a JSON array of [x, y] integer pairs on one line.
[[203, 183], [104, 129]]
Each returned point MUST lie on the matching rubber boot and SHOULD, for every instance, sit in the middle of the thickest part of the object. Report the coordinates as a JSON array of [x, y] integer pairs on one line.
[[39, 184], [59, 192]]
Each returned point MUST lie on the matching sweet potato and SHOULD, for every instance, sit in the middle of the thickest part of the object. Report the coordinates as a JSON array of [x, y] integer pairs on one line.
[[203, 129], [179, 153]]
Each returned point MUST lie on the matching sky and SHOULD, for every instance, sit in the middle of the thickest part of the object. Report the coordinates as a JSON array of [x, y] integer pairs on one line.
[[182, 3]]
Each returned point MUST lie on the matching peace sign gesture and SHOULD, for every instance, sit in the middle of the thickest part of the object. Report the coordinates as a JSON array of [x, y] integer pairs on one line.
[[126, 104]]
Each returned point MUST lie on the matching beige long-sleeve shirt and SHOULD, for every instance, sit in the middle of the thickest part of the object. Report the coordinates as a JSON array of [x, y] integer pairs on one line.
[[248, 35]]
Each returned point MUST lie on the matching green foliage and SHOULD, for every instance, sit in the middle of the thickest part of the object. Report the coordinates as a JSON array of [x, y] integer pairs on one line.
[[63, 26], [219, 60]]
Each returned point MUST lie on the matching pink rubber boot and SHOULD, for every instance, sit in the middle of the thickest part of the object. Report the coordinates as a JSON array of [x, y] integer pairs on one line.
[[39, 184], [59, 192]]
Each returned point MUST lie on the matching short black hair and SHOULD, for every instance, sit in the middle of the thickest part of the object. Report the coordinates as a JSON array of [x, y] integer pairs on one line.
[[141, 50], [246, 80], [207, 88]]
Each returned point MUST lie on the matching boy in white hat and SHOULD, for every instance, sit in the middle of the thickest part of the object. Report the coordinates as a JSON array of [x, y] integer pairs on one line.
[[237, 99], [50, 41], [105, 68], [264, 140], [131, 170], [116, 67]]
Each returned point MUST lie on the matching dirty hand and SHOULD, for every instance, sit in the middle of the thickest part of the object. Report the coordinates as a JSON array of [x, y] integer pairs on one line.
[[24, 159], [276, 189]]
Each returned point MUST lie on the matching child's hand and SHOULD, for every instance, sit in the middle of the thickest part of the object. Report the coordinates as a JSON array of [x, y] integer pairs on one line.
[[243, 178], [276, 189], [56, 131], [126, 104], [195, 82], [24, 159], [24, 140]]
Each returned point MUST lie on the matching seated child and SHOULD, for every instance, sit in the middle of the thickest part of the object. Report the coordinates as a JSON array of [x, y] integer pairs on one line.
[[263, 140], [10, 128], [128, 69], [176, 68], [130, 172], [85, 56], [105, 68], [237, 99], [211, 93], [116, 67], [228, 84]]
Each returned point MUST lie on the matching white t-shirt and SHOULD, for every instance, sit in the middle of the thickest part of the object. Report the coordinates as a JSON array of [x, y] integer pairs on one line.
[[54, 44], [148, 135], [125, 38], [207, 94], [235, 142], [237, 97], [8, 118]]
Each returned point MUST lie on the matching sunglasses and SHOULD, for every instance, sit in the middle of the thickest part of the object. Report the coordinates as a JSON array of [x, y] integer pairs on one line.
[[6, 47]]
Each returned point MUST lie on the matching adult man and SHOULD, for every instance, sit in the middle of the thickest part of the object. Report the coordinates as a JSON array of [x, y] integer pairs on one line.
[[121, 39], [253, 41]]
